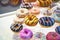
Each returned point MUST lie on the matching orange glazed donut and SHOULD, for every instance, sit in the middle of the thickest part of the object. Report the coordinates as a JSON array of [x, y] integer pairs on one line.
[[34, 10], [31, 20], [45, 3]]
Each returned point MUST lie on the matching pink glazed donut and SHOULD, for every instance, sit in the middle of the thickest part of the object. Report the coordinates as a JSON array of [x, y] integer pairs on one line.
[[26, 34], [53, 36]]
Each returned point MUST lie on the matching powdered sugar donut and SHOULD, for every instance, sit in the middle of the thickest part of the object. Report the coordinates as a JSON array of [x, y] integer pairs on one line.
[[22, 12], [18, 20], [40, 36], [26, 34], [52, 36]]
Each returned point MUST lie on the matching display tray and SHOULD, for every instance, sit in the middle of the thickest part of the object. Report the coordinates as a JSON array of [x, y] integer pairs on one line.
[[7, 34]]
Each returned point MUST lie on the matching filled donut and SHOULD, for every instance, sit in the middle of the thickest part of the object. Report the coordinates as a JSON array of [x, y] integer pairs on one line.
[[22, 12], [46, 21], [52, 36], [39, 36], [58, 29], [16, 27], [4, 2], [26, 34], [45, 3], [56, 14], [14, 2], [31, 20], [26, 5], [34, 11]]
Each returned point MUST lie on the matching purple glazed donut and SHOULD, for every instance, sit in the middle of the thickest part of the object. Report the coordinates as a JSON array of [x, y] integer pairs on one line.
[[26, 34], [52, 36]]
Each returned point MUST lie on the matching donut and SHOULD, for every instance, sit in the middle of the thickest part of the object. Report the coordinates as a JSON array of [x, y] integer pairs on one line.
[[34, 10], [31, 20], [4, 2], [45, 3], [46, 21], [52, 36], [57, 29], [39, 36], [26, 34], [22, 12], [26, 5], [56, 14], [18, 20], [36, 4], [48, 12], [16, 27], [15, 2]]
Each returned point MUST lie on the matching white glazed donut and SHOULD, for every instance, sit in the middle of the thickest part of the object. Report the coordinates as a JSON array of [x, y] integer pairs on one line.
[[18, 20], [22, 12]]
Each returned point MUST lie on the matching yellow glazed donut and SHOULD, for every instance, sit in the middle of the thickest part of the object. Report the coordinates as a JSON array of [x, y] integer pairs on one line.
[[45, 3], [22, 12], [31, 20], [34, 10]]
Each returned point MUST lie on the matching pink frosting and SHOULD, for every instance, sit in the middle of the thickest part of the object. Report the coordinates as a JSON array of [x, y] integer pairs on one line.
[[53, 36], [26, 34]]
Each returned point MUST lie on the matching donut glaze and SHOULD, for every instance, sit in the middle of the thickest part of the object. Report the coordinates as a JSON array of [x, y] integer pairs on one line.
[[46, 21], [52, 36], [31, 20], [26, 5], [16, 27], [26, 34], [40, 36], [22, 12], [58, 29]]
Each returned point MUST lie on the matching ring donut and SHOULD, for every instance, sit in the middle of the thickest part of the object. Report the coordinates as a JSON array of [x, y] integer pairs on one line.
[[56, 14], [31, 20], [45, 3], [26, 34], [34, 10], [40, 36], [18, 20], [46, 21], [52, 36], [26, 5], [22, 12], [16, 27], [14, 2], [58, 29]]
